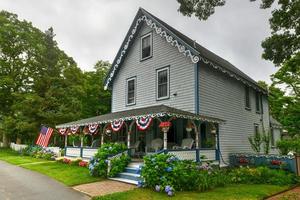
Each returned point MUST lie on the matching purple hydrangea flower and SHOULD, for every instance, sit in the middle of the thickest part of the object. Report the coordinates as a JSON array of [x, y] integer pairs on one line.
[[168, 188], [140, 184], [170, 193], [157, 188]]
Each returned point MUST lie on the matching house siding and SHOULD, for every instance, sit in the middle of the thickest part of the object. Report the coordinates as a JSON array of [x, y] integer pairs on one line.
[[223, 97], [181, 76]]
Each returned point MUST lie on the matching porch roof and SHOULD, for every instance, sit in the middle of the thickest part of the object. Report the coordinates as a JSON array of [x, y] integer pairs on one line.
[[153, 111]]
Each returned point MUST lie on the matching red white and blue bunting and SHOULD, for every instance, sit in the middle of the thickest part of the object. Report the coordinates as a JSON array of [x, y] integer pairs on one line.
[[117, 125], [74, 129], [143, 123], [62, 131], [93, 128]]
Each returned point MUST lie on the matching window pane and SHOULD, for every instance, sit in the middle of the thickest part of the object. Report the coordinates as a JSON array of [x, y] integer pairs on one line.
[[146, 46], [257, 101], [247, 97], [131, 91], [162, 83]]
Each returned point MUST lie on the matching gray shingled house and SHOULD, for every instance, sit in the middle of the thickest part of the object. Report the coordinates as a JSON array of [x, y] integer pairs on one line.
[[160, 75]]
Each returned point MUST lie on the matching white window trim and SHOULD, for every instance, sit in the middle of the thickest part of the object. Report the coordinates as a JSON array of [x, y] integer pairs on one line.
[[168, 83], [151, 46], [127, 80]]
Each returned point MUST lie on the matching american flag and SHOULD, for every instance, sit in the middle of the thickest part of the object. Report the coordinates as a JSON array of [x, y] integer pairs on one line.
[[44, 136]]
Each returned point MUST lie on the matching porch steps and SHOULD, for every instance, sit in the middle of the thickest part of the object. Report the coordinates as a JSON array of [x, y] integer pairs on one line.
[[131, 174]]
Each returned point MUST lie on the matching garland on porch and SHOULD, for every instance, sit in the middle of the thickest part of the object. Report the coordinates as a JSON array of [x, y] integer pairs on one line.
[[117, 125], [93, 128], [74, 129], [143, 123], [62, 131]]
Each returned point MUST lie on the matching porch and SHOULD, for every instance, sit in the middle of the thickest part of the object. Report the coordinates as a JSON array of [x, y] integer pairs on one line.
[[155, 129]]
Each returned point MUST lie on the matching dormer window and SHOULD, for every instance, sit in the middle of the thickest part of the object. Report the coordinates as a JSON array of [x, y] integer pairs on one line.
[[163, 83], [146, 46], [131, 91]]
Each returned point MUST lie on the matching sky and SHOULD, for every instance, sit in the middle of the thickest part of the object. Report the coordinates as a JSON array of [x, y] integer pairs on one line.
[[92, 30]]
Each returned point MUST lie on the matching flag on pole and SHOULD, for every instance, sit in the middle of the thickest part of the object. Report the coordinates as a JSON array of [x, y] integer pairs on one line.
[[44, 136]]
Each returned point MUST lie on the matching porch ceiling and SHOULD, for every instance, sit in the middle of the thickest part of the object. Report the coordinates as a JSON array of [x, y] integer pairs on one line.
[[153, 111]]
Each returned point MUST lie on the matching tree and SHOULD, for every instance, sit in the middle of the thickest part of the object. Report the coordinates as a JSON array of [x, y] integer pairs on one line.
[[19, 47], [96, 100]]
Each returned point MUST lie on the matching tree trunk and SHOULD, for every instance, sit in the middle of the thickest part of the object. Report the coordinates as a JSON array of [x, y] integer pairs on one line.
[[19, 141], [5, 140]]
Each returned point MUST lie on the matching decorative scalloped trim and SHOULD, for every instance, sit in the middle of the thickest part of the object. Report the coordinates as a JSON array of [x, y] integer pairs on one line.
[[155, 115], [181, 48]]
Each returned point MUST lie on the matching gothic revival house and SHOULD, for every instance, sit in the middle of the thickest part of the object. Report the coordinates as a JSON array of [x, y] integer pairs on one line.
[[171, 94]]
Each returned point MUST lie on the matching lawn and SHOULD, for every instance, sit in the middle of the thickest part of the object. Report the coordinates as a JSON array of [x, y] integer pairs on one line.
[[67, 174], [240, 192]]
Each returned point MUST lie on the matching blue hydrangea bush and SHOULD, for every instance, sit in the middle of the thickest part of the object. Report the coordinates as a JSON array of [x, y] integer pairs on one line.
[[99, 163], [166, 173]]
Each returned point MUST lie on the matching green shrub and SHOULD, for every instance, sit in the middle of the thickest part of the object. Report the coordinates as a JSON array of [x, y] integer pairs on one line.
[[98, 164], [164, 170], [119, 164], [38, 152], [287, 145]]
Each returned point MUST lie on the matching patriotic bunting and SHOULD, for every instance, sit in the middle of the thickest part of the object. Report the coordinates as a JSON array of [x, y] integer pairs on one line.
[[143, 123], [93, 128], [117, 125], [62, 131], [74, 129]]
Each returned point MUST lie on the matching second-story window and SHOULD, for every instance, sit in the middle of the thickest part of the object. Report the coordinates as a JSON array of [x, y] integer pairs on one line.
[[163, 83], [257, 102], [131, 91], [146, 46], [247, 97]]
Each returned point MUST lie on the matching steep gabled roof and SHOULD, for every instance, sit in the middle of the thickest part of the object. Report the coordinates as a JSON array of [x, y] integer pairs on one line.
[[185, 45]]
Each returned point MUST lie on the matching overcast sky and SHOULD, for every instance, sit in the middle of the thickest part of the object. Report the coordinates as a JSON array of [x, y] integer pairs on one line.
[[90, 30]]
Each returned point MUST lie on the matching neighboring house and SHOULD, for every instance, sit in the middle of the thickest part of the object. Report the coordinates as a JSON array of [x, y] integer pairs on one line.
[[161, 75]]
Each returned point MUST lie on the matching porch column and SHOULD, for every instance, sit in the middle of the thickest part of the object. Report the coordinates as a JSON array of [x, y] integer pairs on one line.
[[128, 136], [165, 140], [81, 141], [197, 132], [66, 140], [103, 132]]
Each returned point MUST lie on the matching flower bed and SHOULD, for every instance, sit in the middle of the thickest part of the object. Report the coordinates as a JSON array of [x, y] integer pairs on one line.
[[166, 173], [38, 152], [271, 161]]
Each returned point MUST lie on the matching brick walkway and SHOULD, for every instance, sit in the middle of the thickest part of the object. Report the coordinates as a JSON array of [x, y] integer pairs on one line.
[[293, 194], [103, 188]]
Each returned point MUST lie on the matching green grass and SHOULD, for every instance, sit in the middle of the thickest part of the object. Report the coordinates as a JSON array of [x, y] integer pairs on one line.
[[67, 174], [14, 158], [239, 192]]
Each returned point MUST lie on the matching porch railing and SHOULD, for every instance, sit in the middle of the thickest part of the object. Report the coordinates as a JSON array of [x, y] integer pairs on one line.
[[208, 154], [80, 152]]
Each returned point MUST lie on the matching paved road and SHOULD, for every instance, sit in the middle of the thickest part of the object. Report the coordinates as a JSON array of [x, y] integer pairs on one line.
[[17, 183]]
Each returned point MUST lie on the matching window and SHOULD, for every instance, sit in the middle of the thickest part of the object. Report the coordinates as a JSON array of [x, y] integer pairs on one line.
[[272, 137], [163, 84], [256, 131], [146, 46], [257, 102], [247, 97], [131, 91], [261, 104]]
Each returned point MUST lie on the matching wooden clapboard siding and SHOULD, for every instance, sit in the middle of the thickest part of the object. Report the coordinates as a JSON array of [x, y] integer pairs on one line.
[[181, 76], [223, 97]]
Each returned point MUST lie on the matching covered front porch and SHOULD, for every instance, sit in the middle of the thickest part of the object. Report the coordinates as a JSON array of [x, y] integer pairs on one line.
[[155, 129]]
